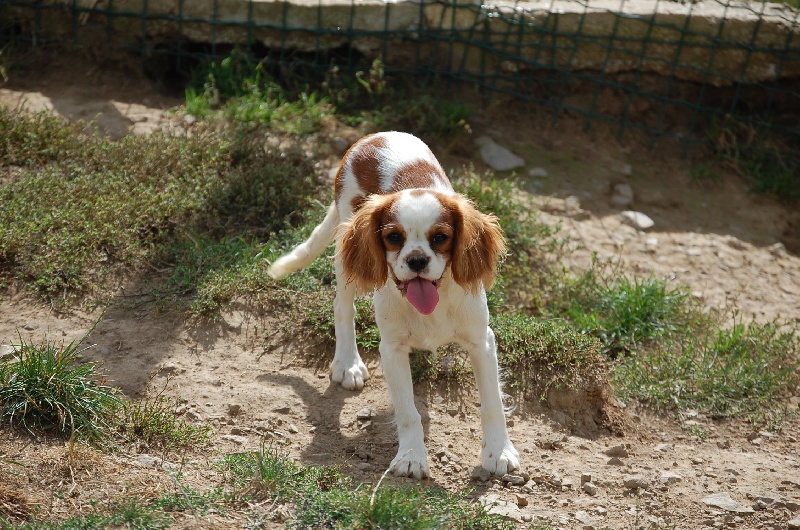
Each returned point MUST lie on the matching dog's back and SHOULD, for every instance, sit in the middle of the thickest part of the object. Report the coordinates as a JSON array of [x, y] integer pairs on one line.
[[380, 163]]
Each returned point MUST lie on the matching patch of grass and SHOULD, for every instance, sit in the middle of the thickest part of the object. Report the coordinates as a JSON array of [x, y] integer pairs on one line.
[[133, 513], [539, 355], [628, 313], [79, 211], [770, 164], [153, 421], [43, 386], [322, 497], [737, 371]]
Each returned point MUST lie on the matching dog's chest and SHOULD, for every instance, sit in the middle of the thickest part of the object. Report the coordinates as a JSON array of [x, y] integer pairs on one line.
[[455, 319]]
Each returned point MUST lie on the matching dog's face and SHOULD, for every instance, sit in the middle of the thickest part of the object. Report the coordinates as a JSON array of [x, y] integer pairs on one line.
[[411, 238]]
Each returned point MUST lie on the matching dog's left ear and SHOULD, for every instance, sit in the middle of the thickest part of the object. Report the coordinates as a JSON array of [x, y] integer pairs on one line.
[[479, 246], [361, 247]]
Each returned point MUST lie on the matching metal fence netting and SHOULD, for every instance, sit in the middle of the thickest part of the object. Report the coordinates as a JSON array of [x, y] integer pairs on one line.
[[656, 67]]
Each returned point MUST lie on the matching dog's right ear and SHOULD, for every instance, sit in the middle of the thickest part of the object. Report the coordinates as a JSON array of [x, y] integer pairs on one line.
[[361, 245]]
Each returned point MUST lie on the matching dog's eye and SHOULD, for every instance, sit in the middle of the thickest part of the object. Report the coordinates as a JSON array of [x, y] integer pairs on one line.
[[439, 238], [395, 238]]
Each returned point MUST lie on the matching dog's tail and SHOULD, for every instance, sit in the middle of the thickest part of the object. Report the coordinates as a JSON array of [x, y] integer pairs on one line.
[[310, 249]]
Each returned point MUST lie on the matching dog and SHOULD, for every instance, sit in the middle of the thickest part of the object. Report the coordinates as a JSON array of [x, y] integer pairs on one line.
[[429, 255]]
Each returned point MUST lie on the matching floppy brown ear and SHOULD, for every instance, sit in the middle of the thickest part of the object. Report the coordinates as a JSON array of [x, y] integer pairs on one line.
[[479, 245], [361, 246]]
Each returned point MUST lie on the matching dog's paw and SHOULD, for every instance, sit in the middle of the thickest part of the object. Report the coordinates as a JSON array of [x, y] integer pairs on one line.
[[351, 376], [500, 457], [406, 465]]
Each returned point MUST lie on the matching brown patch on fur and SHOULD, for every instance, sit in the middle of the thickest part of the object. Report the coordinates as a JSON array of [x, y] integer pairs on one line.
[[389, 226], [446, 227], [479, 244], [419, 174], [363, 161], [362, 245]]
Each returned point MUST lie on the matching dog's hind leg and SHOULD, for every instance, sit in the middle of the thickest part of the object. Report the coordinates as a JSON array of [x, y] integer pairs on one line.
[[347, 367]]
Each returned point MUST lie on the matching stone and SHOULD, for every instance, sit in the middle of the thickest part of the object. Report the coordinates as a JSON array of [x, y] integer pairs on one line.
[[724, 501], [364, 414], [364, 466], [616, 450], [522, 500], [234, 409], [584, 518], [636, 481], [238, 440], [637, 220], [505, 509], [615, 461], [589, 488], [664, 448], [480, 474], [669, 478], [622, 195], [496, 156], [537, 172], [794, 524], [514, 480]]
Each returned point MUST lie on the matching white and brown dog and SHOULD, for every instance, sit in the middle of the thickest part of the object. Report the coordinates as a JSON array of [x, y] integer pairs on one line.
[[429, 255]]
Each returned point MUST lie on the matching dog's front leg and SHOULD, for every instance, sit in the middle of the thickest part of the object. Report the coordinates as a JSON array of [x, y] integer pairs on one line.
[[412, 458], [498, 454], [347, 367]]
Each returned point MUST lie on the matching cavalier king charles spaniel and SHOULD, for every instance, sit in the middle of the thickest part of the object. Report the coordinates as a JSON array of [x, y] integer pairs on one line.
[[429, 255]]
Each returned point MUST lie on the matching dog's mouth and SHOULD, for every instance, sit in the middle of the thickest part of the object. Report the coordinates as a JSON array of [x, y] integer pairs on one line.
[[422, 293]]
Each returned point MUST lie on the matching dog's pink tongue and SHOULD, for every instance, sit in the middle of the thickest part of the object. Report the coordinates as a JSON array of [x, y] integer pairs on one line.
[[423, 295]]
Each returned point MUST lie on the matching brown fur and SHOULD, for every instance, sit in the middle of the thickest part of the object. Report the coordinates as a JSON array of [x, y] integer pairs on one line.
[[479, 244], [362, 251]]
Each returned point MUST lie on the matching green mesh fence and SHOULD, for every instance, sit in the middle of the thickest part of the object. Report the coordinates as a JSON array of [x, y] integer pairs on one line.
[[660, 68]]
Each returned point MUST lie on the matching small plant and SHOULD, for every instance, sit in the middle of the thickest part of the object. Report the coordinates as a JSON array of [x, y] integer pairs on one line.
[[153, 421], [46, 387]]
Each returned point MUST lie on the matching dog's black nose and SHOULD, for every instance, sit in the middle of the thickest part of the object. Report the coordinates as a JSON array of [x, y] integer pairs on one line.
[[417, 263]]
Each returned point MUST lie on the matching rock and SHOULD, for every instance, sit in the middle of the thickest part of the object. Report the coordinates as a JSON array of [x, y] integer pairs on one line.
[[340, 146], [234, 409], [555, 479], [7, 351], [626, 169], [537, 172], [589, 488], [725, 502], [364, 414], [668, 478], [496, 156], [616, 450], [586, 477], [636, 481], [584, 518], [637, 220], [238, 440], [364, 466], [148, 461], [170, 368], [794, 524], [664, 448], [292, 428], [481, 474], [514, 480], [615, 461], [622, 195], [497, 506], [522, 500]]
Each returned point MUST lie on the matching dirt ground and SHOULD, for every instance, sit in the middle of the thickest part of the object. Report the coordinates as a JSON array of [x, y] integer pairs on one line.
[[725, 243]]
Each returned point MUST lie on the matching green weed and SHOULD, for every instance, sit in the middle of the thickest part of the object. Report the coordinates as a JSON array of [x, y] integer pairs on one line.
[[324, 498], [45, 387], [737, 371], [152, 420]]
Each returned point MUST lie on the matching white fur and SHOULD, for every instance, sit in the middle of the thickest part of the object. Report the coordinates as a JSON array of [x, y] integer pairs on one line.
[[460, 316]]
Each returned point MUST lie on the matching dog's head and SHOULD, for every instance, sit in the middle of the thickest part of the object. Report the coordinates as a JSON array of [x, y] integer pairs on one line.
[[413, 236]]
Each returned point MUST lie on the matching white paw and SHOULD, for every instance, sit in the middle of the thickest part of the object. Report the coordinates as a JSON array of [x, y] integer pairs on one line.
[[350, 375], [500, 457], [408, 464]]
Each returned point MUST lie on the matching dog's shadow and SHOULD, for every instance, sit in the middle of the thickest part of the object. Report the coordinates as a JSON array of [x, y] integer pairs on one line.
[[361, 448]]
